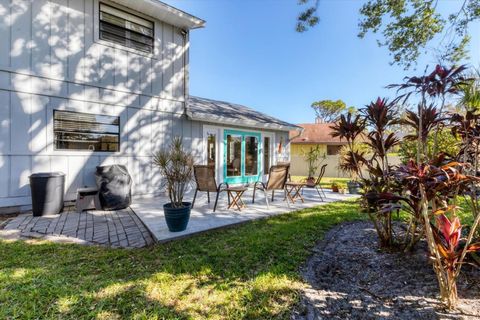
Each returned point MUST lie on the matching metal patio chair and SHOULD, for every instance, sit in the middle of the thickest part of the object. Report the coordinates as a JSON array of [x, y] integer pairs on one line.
[[277, 177], [205, 181], [317, 186]]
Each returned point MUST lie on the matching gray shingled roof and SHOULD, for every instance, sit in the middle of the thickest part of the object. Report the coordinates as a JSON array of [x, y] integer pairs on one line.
[[207, 110]]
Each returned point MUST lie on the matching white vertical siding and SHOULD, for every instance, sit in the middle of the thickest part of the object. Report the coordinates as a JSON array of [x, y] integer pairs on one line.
[[21, 34], [38, 124], [5, 123], [76, 40], [4, 176], [167, 57], [40, 36], [51, 59], [5, 32], [197, 140], [20, 110], [58, 41], [20, 170]]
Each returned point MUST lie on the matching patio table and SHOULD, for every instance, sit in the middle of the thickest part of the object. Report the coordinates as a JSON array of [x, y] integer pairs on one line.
[[293, 191], [235, 193]]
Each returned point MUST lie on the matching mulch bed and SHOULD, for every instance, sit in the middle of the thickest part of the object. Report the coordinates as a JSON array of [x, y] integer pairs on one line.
[[350, 278]]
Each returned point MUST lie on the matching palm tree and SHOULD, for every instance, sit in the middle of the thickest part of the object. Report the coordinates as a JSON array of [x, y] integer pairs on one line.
[[470, 93]]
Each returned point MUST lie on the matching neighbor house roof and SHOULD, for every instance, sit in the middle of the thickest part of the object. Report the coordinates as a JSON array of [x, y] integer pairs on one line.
[[315, 133], [164, 12], [208, 110]]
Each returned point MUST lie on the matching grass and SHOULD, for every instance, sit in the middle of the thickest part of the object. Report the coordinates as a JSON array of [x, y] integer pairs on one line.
[[248, 272], [327, 181]]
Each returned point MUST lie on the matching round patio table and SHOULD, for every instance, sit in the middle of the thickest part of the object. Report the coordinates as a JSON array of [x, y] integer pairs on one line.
[[235, 193]]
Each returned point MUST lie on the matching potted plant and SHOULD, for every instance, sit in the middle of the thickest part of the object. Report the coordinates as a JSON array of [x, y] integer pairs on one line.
[[353, 187], [334, 187], [176, 166], [312, 157]]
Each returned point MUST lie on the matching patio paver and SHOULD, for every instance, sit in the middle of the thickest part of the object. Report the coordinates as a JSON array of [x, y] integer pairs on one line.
[[202, 217], [143, 223], [120, 228]]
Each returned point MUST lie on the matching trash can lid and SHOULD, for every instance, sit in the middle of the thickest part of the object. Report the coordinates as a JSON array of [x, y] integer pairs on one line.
[[47, 174]]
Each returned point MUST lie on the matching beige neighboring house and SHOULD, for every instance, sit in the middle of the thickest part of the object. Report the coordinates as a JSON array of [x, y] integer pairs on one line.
[[315, 134]]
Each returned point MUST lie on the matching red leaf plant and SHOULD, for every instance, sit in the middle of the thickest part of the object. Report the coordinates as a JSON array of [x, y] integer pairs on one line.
[[452, 249]]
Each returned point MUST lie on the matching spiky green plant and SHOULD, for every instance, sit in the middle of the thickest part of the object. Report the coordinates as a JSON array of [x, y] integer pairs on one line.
[[176, 166]]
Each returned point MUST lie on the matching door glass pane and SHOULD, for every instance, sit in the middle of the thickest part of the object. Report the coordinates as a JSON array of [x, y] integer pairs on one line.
[[211, 149], [234, 155], [266, 155], [251, 156]]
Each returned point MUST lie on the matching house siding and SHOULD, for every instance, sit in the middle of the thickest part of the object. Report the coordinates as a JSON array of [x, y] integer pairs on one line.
[[51, 58], [300, 166]]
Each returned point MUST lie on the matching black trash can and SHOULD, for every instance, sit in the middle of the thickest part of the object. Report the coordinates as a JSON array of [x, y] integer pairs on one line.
[[47, 192]]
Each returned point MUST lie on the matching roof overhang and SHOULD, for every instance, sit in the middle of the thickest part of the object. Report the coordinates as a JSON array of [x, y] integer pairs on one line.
[[163, 12], [236, 122]]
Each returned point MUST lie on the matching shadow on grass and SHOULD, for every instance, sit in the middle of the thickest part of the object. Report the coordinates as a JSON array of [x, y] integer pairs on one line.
[[250, 271]]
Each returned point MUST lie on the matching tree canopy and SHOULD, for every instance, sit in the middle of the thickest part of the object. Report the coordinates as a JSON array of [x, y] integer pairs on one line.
[[407, 27], [330, 110]]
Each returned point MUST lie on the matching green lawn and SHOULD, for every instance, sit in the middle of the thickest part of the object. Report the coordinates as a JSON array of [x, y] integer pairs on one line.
[[250, 271], [327, 181]]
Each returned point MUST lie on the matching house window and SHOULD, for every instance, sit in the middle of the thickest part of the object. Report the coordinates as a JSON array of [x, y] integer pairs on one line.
[[85, 131], [333, 150], [125, 28]]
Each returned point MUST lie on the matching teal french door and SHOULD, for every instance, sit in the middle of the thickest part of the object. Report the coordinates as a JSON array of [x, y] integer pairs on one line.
[[242, 156]]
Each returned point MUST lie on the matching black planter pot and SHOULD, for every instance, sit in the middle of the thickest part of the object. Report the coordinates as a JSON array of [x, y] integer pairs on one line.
[[353, 187], [177, 218]]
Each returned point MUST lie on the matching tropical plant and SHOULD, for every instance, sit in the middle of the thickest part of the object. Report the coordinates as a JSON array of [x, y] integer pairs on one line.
[[467, 128], [436, 184], [470, 93], [440, 82], [349, 127], [378, 116], [314, 158], [452, 249], [431, 119], [351, 162], [446, 142], [428, 184], [176, 166]]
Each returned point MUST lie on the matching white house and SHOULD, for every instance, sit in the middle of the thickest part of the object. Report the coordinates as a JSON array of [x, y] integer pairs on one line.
[[91, 82]]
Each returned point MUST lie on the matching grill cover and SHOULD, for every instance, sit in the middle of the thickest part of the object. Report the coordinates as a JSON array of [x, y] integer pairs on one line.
[[114, 185]]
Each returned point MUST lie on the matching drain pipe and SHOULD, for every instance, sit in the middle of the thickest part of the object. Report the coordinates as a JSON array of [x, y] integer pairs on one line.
[[185, 68]]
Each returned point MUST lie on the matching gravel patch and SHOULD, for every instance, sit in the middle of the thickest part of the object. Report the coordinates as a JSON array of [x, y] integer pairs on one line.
[[350, 278]]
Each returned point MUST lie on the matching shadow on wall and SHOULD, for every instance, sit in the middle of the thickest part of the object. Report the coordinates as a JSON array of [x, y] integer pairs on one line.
[[57, 64]]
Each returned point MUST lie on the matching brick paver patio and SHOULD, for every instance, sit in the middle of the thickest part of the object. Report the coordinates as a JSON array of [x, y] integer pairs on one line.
[[120, 229]]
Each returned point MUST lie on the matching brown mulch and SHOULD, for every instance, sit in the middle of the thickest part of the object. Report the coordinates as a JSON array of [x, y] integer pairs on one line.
[[349, 277]]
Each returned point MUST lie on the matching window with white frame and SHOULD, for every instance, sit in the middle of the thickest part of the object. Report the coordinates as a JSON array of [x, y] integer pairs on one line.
[[125, 28], [85, 131]]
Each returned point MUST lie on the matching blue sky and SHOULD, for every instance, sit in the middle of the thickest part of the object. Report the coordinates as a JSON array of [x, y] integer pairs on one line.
[[249, 53]]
